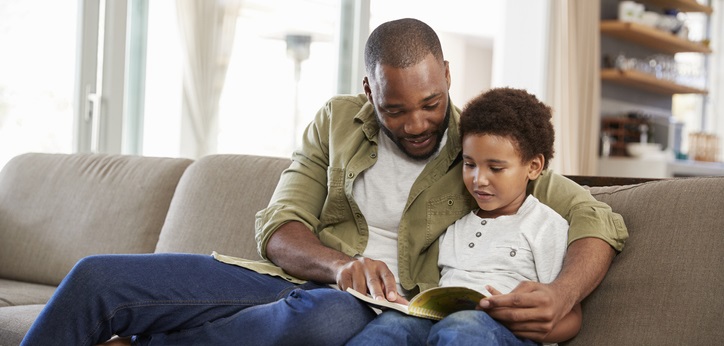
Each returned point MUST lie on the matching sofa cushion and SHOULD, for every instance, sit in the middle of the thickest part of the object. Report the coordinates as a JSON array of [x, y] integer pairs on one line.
[[23, 293], [215, 205], [665, 287], [58, 208], [16, 321]]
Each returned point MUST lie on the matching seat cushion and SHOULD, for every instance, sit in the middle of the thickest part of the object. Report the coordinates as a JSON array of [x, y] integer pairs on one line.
[[15, 321], [23, 293]]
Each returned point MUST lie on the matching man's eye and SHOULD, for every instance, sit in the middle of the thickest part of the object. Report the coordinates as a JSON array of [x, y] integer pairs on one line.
[[431, 107]]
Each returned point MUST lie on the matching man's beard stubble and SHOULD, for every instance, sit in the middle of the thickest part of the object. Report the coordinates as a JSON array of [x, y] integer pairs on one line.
[[438, 138]]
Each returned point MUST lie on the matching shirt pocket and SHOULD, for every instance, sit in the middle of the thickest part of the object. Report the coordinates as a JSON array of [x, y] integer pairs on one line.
[[442, 212], [513, 255]]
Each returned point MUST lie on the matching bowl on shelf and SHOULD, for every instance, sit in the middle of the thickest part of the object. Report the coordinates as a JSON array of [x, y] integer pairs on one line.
[[643, 149]]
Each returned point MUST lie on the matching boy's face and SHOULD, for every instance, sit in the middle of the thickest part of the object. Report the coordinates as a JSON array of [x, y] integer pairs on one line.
[[495, 174]]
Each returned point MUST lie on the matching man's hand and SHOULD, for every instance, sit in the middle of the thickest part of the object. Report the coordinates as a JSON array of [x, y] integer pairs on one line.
[[530, 311], [365, 274]]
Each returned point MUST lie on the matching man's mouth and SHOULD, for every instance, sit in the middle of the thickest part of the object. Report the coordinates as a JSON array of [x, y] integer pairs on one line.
[[419, 142]]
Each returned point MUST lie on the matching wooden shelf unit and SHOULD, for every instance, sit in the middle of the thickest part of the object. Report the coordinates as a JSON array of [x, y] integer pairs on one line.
[[648, 82], [651, 37], [681, 5], [622, 131]]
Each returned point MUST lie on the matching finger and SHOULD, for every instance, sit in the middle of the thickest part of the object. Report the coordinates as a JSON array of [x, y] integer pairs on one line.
[[493, 291], [513, 300], [359, 280], [374, 284], [388, 279]]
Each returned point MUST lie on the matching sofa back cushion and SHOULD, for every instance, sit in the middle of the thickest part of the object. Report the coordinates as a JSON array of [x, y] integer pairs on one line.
[[665, 287], [58, 208], [216, 202]]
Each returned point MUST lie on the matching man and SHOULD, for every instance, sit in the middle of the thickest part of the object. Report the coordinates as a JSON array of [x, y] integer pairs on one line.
[[375, 182]]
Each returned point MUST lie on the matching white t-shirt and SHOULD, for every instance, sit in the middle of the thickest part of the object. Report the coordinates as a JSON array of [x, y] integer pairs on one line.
[[381, 193], [504, 251]]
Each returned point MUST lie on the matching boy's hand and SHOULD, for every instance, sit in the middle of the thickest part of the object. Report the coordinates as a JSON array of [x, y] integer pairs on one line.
[[368, 275]]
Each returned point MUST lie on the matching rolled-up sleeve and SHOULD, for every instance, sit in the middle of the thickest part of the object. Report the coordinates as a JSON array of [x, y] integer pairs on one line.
[[302, 188], [586, 216]]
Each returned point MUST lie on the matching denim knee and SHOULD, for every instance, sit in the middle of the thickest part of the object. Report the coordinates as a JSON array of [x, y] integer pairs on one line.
[[472, 327], [323, 316]]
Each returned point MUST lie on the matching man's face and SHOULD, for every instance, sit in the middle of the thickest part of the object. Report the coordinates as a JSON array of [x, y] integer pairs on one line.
[[411, 104]]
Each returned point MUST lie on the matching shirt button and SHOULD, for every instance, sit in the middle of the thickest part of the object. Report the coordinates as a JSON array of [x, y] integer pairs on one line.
[[373, 155], [471, 245], [350, 175], [484, 222], [450, 202], [478, 234]]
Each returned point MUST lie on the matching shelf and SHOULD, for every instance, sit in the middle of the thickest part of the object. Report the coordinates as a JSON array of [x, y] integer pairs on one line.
[[648, 82], [650, 37], [681, 5]]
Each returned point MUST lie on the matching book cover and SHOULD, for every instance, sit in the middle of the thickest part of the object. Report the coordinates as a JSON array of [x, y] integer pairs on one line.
[[434, 303]]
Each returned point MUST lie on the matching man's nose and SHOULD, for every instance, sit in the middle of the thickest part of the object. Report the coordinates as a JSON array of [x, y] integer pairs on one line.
[[416, 124]]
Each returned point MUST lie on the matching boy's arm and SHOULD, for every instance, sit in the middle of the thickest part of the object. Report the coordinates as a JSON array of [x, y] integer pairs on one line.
[[567, 328]]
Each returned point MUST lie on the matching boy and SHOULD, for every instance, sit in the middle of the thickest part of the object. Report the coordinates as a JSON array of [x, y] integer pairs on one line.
[[507, 140]]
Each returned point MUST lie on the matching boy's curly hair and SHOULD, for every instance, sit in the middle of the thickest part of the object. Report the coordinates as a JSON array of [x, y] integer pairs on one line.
[[512, 113]]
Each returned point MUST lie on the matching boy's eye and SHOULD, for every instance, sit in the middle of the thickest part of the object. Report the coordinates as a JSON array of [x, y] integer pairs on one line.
[[469, 164], [496, 169]]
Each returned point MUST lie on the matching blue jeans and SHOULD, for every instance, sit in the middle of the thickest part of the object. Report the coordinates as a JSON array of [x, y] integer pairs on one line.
[[183, 299], [460, 328]]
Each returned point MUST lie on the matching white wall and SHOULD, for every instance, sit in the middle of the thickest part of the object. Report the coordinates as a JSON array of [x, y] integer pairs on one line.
[[520, 52]]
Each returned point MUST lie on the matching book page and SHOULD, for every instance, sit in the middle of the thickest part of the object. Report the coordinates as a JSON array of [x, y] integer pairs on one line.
[[438, 302], [382, 303]]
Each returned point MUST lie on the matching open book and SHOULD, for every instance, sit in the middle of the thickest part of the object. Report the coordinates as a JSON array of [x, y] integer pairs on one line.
[[434, 303]]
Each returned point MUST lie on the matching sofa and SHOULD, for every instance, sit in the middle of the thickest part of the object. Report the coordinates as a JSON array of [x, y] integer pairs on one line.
[[665, 288]]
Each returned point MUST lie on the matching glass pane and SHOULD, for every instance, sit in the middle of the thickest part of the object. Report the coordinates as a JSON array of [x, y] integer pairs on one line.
[[162, 110], [263, 108], [38, 40]]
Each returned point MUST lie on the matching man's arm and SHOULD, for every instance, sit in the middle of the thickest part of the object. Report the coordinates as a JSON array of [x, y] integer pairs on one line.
[[294, 248], [532, 309]]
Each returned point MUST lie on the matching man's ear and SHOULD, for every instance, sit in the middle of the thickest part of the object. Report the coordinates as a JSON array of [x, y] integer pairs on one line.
[[367, 89], [447, 74], [535, 166]]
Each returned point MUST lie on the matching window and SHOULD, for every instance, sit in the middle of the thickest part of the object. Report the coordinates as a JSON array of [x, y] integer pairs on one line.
[[36, 76]]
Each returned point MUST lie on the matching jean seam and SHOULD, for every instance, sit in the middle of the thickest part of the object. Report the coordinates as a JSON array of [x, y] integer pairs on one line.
[[113, 312]]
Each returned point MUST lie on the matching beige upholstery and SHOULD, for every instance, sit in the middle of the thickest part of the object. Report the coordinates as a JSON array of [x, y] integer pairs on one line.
[[56, 209], [666, 287], [215, 203]]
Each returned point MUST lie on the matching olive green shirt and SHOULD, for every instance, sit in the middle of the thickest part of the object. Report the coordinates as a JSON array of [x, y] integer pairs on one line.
[[341, 143]]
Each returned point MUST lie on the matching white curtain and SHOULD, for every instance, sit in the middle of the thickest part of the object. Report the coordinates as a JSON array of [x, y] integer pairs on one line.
[[207, 36], [574, 85]]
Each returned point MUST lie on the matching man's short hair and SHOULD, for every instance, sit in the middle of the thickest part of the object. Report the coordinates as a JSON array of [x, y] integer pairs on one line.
[[401, 43]]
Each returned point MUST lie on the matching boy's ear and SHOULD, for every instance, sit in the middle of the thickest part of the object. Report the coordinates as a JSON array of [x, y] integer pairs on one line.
[[535, 166]]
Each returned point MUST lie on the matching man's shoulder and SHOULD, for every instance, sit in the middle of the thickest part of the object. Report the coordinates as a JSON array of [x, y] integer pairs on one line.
[[348, 100]]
